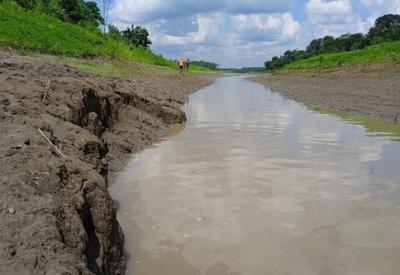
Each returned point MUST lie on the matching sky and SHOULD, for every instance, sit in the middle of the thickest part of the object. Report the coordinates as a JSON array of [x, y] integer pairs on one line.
[[236, 33]]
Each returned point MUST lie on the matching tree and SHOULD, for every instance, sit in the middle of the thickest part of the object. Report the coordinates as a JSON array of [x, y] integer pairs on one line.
[[343, 42], [114, 31], [386, 28], [288, 56], [315, 47], [80, 12], [206, 64], [328, 44], [73, 10], [137, 36], [358, 41], [92, 14]]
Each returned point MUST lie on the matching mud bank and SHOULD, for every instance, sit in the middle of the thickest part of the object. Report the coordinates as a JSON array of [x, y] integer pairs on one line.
[[359, 90], [57, 216]]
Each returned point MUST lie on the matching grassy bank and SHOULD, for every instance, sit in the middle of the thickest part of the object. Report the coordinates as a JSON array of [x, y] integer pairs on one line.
[[377, 54], [38, 32]]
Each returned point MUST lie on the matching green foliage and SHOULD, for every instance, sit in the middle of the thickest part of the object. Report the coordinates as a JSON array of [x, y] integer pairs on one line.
[[244, 70], [286, 58], [113, 31], [387, 28], [382, 53], [137, 36], [52, 7], [92, 14], [74, 11], [205, 64], [28, 4], [36, 31]]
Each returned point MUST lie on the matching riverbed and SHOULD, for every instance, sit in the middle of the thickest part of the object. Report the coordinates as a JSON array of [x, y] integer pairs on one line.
[[258, 184]]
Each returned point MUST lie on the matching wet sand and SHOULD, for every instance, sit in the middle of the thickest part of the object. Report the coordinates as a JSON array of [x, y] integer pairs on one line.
[[359, 90], [257, 184]]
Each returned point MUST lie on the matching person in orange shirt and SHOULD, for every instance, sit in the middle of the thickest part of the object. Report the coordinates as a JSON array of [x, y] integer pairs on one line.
[[181, 64]]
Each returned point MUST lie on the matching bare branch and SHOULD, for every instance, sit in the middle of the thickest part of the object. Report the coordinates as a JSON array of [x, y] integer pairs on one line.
[[52, 144]]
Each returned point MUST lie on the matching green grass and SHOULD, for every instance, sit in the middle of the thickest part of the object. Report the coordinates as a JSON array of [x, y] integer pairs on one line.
[[377, 54], [41, 33], [107, 66], [371, 125]]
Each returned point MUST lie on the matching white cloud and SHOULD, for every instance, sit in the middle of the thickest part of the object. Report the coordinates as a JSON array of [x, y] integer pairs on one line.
[[264, 27], [206, 31], [139, 11], [329, 7], [232, 40], [332, 17], [243, 29], [380, 7]]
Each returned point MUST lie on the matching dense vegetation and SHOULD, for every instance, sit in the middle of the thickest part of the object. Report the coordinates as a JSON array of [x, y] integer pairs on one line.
[[244, 70], [381, 53], [61, 28], [73, 11], [385, 30], [205, 64], [86, 14], [32, 30]]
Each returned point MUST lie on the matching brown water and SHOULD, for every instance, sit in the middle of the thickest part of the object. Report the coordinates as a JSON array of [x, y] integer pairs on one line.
[[257, 184]]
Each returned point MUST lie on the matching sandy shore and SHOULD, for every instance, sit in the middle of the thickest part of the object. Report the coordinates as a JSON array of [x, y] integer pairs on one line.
[[368, 91], [57, 216]]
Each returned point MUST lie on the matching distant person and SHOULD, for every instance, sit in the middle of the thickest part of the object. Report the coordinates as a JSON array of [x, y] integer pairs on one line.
[[187, 64], [181, 64]]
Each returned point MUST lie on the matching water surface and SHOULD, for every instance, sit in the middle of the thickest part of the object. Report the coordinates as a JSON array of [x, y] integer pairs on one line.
[[257, 184]]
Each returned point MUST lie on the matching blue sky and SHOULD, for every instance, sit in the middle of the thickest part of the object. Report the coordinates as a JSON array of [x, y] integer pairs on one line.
[[237, 33]]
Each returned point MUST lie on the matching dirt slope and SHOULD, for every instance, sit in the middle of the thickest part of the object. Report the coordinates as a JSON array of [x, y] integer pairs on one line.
[[57, 216], [372, 90]]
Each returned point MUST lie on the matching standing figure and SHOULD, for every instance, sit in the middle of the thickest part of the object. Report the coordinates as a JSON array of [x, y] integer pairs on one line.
[[181, 64], [187, 64]]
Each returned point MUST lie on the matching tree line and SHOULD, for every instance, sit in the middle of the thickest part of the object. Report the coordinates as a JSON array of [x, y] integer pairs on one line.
[[88, 14], [215, 67], [385, 29], [205, 64], [243, 70]]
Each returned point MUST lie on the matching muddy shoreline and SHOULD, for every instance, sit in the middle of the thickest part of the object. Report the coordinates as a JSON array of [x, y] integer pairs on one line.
[[358, 90], [57, 214]]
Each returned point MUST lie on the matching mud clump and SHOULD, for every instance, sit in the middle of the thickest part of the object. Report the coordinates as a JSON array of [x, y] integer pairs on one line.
[[57, 216]]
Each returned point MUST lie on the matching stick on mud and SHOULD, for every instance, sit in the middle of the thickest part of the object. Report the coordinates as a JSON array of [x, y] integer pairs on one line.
[[52, 144], [47, 91]]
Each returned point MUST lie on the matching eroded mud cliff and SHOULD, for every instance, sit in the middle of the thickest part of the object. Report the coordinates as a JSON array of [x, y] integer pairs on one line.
[[57, 216]]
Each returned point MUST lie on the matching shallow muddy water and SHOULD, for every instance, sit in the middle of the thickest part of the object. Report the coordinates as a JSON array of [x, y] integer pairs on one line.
[[257, 184]]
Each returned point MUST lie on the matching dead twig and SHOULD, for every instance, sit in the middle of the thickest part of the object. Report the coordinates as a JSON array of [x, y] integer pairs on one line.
[[47, 91], [52, 144]]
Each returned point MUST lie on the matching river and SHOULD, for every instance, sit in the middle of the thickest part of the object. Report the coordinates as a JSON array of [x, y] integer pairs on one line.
[[257, 184]]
